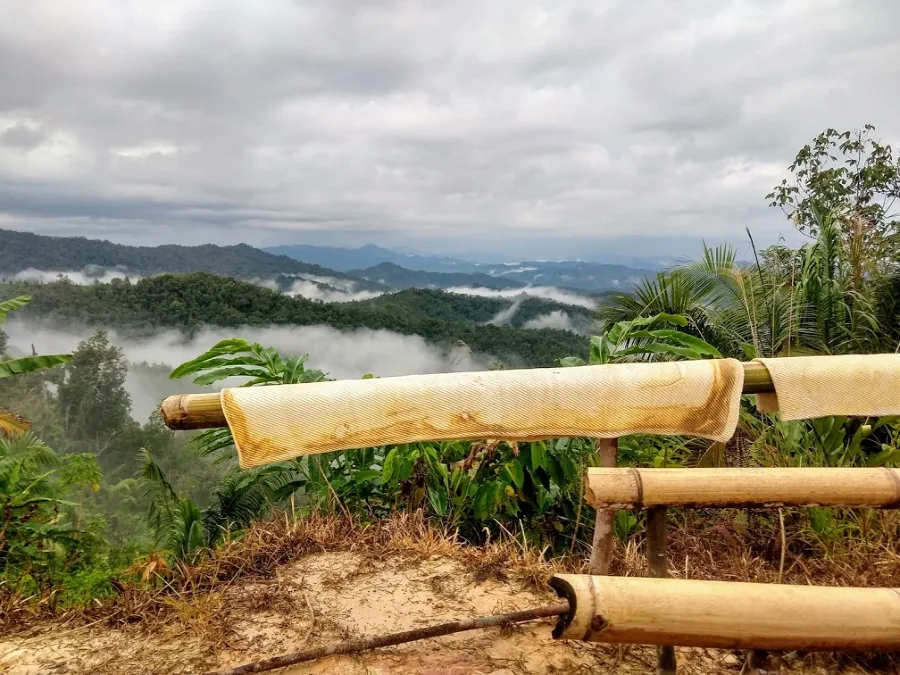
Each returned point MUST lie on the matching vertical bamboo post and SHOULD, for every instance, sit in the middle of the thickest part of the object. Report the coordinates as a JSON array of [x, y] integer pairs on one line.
[[602, 545], [762, 662], [656, 562]]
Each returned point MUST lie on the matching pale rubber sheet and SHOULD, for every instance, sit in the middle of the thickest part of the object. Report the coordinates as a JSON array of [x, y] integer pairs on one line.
[[807, 387], [280, 422]]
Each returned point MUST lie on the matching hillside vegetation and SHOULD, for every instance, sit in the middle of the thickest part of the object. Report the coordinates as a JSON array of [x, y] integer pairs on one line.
[[437, 304], [189, 302]]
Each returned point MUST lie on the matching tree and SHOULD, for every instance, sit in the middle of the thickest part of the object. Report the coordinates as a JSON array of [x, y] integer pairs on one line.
[[92, 395], [852, 177]]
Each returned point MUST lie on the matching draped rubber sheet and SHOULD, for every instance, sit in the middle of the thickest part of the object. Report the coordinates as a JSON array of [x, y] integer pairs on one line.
[[691, 398], [807, 387]]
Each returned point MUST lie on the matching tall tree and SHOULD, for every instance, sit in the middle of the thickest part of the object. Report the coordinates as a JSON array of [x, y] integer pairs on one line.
[[92, 395], [856, 180]]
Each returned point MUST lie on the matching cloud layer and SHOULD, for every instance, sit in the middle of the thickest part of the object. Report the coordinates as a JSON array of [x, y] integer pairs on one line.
[[342, 354], [517, 294], [525, 123]]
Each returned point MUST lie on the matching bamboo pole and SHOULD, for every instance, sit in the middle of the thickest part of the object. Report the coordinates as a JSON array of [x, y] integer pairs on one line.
[[374, 642], [604, 524], [628, 488], [727, 615], [204, 411], [656, 563]]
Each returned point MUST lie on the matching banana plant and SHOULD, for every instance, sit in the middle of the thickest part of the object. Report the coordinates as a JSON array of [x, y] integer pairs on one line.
[[27, 364], [638, 340], [236, 357], [12, 425]]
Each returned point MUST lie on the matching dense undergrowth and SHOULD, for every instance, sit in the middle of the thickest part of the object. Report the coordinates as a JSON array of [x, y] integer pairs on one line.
[[120, 516]]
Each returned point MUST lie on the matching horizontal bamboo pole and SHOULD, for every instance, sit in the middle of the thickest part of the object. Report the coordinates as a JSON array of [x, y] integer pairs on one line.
[[204, 411], [391, 639], [626, 488], [727, 615]]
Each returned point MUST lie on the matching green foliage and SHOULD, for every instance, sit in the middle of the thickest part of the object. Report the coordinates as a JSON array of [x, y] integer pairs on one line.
[[27, 364], [844, 172], [184, 528], [828, 441], [39, 544], [238, 358], [636, 339], [92, 388]]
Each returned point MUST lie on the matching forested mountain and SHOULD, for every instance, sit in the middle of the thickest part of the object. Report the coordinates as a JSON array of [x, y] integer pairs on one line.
[[20, 251], [189, 302], [401, 277], [436, 304], [574, 274]]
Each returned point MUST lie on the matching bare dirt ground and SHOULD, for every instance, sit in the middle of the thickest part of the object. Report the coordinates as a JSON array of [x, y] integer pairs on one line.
[[330, 596]]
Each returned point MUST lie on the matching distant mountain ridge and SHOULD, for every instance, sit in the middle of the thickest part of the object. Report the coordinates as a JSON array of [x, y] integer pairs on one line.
[[406, 271], [324, 272], [346, 259], [20, 251], [402, 277]]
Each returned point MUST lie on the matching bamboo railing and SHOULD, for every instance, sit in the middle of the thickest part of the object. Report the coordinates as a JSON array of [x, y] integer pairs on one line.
[[629, 488], [204, 411], [727, 614]]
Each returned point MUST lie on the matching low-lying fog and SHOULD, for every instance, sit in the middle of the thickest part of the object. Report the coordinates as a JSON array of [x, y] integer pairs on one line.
[[343, 355]]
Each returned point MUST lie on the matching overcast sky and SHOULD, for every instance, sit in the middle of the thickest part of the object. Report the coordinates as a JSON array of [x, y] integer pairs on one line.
[[446, 125]]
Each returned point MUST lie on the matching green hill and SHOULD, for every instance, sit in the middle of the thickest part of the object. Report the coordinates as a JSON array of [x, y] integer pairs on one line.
[[423, 303], [192, 301]]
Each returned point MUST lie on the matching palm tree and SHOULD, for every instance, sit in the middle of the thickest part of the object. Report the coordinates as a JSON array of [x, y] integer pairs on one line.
[[184, 529], [818, 299]]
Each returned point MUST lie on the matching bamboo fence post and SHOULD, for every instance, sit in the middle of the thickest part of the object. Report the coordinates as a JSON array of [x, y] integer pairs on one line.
[[727, 614], [656, 561], [602, 544]]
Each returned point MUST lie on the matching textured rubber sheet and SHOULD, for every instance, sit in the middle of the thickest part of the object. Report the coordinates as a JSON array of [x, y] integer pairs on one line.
[[807, 387], [691, 398]]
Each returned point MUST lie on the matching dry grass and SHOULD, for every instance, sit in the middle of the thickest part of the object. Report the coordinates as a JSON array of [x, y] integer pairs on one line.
[[174, 594], [202, 599]]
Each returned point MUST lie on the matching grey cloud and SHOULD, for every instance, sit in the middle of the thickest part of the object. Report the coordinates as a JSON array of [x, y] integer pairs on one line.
[[20, 136], [469, 123], [555, 319]]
